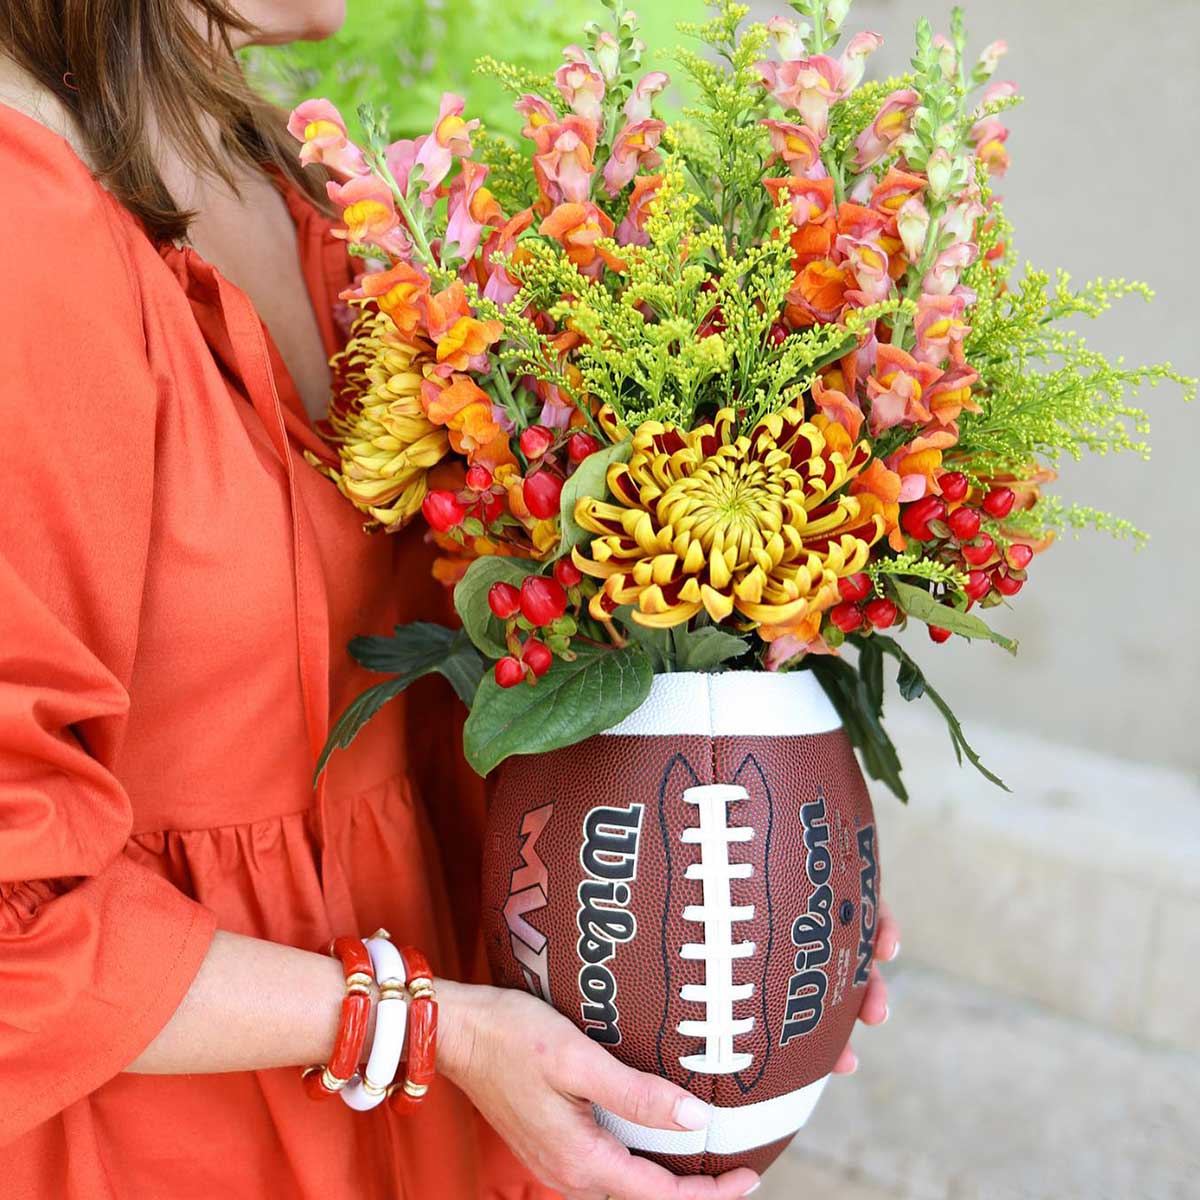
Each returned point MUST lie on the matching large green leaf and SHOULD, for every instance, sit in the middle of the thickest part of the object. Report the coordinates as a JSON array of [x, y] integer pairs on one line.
[[859, 703], [572, 701], [470, 599], [412, 652], [913, 685], [704, 648], [920, 604], [588, 480]]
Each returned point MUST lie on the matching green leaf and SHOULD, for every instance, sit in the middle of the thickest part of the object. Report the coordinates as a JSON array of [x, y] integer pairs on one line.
[[588, 480], [572, 701], [862, 718], [412, 652], [704, 648], [920, 604], [913, 685], [655, 642], [470, 599]]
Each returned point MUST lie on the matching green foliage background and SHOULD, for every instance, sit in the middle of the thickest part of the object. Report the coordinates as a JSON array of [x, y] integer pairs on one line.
[[406, 53]]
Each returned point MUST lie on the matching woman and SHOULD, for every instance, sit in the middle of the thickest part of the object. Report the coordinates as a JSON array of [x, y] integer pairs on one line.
[[177, 587]]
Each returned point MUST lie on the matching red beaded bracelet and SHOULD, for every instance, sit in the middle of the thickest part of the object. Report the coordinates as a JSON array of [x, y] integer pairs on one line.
[[404, 1096], [320, 1083]]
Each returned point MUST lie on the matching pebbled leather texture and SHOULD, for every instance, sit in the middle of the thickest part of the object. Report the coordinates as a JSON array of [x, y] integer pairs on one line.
[[824, 892]]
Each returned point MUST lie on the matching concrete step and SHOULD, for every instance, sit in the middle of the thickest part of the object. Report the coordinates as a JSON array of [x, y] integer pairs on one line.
[[1080, 890], [968, 1094]]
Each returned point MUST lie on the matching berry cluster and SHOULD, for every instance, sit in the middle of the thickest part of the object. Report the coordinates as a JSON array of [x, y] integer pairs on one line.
[[478, 507], [950, 526], [857, 610], [539, 604]]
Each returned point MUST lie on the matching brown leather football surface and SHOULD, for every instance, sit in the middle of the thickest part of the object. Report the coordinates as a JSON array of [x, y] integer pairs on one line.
[[594, 898]]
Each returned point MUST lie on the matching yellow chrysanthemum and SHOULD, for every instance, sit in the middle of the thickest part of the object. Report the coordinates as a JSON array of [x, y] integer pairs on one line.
[[385, 441], [709, 521]]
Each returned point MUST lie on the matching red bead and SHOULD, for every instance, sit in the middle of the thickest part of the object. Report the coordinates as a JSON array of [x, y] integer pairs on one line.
[[479, 479], [978, 585], [542, 600], [504, 600], [938, 634], [490, 507], [917, 515], [846, 616], [535, 441], [352, 1026], [1006, 585], [567, 573], [855, 587], [882, 613], [581, 446], [1020, 555], [964, 523], [542, 492], [980, 550], [443, 511], [536, 655], [509, 672], [954, 486], [999, 502], [778, 334]]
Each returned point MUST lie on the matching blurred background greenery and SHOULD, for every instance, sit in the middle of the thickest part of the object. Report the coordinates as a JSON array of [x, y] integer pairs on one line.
[[406, 53]]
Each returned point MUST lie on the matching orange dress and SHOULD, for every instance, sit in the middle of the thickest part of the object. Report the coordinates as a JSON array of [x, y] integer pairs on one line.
[[177, 587]]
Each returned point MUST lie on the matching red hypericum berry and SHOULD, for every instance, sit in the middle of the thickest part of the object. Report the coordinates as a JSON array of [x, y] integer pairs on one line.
[[778, 334], [964, 523], [543, 600], [939, 634], [443, 510], [919, 513], [1020, 555], [998, 502], [1006, 585], [581, 446], [537, 657], [567, 573], [504, 600], [855, 587], [954, 486], [479, 479], [882, 613], [847, 617], [979, 551], [542, 492], [535, 441], [509, 672], [978, 585]]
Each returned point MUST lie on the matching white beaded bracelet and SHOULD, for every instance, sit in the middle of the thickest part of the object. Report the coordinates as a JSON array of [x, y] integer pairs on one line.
[[365, 1091]]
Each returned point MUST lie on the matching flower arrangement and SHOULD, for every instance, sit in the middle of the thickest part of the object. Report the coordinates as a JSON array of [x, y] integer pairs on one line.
[[737, 391]]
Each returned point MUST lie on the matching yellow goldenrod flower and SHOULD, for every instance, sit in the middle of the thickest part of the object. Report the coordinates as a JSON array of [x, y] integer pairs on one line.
[[385, 441], [711, 522]]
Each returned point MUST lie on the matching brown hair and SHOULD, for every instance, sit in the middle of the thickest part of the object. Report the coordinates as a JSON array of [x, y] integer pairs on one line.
[[113, 62]]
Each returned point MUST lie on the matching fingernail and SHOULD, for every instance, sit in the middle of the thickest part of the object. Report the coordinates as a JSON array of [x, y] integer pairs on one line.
[[691, 1113], [887, 1012], [895, 953], [753, 1188], [853, 1064]]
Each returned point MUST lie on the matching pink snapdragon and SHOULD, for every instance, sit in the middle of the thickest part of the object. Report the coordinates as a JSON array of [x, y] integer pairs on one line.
[[640, 105], [498, 284], [890, 124], [912, 224], [896, 388], [790, 39], [581, 87], [400, 157], [369, 212], [940, 329], [798, 146], [564, 163], [450, 139], [808, 85], [319, 126], [837, 406], [854, 60], [948, 267], [636, 146], [471, 207], [536, 111], [868, 263], [989, 136]]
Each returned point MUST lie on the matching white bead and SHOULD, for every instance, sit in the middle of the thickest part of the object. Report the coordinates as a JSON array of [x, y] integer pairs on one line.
[[391, 1022]]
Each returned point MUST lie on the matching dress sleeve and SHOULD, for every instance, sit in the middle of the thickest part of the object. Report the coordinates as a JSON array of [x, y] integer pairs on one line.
[[96, 952]]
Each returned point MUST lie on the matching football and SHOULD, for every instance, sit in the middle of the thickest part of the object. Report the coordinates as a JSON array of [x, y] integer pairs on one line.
[[697, 890]]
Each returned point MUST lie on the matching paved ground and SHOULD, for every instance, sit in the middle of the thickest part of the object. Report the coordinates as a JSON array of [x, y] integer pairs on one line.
[[969, 1095]]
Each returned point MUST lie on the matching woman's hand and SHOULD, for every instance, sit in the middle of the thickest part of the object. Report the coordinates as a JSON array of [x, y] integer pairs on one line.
[[874, 1009], [534, 1076]]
